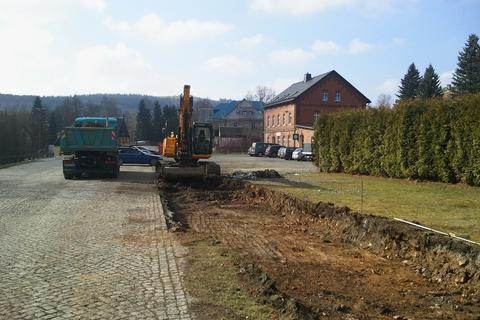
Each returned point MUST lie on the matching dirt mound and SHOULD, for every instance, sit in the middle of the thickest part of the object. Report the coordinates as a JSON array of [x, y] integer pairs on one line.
[[252, 175], [333, 263]]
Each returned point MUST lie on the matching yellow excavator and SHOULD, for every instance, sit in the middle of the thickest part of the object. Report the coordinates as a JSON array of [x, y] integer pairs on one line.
[[189, 149]]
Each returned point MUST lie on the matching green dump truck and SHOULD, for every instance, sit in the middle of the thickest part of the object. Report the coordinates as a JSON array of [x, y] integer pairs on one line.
[[90, 147]]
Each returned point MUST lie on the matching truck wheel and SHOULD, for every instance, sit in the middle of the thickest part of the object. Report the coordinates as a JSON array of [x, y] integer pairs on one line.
[[67, 176]]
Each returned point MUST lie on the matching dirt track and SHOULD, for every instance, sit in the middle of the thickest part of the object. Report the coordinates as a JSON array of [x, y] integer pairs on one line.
[[333, 264]]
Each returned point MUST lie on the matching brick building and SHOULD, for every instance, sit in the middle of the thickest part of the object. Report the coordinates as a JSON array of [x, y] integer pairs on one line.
[[290, 116]]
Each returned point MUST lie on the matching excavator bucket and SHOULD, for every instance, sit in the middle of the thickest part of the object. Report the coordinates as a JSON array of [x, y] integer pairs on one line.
[[201, 171]]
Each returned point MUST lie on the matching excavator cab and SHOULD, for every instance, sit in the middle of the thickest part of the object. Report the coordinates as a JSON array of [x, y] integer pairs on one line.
[[202, 140]]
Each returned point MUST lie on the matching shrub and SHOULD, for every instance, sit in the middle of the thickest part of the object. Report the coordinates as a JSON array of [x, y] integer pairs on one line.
[[420, 139]]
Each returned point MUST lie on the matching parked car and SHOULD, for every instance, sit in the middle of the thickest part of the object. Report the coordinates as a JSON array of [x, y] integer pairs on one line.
[[258, 149], [281, 152], [136, 155], [147, 149], [286, 153], [301, 155], [272, 151]]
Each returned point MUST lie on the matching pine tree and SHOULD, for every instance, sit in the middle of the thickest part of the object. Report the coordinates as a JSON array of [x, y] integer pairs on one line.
[[409, 84], [37, 103], [52, 128], [430, 84], [144, 122], [171, 117], [158, 122], [466, 78]]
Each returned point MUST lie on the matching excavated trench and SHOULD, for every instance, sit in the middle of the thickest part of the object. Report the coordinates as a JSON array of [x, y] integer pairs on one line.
[[328, 262]]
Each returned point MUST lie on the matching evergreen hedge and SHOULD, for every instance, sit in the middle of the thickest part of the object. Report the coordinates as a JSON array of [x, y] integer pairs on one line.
[[435, 139]]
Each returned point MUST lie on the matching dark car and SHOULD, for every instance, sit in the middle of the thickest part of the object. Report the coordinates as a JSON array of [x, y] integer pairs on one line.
[[286, 153], [136, 155], [258, 148], [272, 151]]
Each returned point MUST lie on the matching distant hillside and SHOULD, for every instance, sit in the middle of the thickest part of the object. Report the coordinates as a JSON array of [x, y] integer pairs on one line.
[[125, 102]]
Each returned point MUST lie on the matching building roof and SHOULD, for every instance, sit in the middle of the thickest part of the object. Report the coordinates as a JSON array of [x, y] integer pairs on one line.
[[298, 88], [223, 109]]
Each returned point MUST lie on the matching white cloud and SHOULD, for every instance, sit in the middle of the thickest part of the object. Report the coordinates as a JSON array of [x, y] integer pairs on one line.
[[250, 42], [98, 5], [96, 69], [357, 46], [117, 26], [229, 64], [289, 56], [298, 7], [154, 28], [308, 7], [389, 86], [326, 47], [446, 78], [398, 41]]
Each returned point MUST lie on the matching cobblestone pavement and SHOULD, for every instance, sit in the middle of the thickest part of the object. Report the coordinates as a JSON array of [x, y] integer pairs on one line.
[[86, 249]]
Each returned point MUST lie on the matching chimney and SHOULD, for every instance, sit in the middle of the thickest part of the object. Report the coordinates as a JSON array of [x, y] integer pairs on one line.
[[307, 77]]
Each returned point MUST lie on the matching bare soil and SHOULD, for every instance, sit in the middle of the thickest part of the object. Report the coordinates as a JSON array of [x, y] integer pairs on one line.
[[322, 262]]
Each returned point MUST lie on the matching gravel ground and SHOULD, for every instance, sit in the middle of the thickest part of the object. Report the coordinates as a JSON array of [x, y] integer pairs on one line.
[[86, 249]]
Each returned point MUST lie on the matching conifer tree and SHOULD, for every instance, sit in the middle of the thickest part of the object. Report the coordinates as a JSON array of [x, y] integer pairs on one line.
[[430, 84], [158, 122], [409, 84], [144, 122], [466, 78]]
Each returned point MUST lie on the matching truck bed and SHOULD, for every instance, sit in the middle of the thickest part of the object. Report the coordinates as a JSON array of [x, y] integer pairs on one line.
[[89, 139]]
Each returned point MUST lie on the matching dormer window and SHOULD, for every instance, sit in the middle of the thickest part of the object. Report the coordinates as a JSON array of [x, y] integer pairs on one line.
[[338, 96], [325, 97]]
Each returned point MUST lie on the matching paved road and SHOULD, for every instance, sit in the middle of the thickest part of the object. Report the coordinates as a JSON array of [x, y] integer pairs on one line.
[[86, 249]]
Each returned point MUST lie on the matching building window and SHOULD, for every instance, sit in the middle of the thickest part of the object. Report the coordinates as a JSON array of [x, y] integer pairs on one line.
[[253, 125], [278, 120], [325, 97], [284, 119], [338, 96], [316, 116], [289, 140], [289, 118], [235, 124], [268, 122]]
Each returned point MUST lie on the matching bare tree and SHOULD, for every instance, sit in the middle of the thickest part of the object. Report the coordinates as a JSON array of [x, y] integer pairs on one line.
[[264, 93], [249, 96], [384, 100]]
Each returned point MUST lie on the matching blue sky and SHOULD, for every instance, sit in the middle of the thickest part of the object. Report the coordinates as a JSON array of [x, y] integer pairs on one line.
[[224, 48]]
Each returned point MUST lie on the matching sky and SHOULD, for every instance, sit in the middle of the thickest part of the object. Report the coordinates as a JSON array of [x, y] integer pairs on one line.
[[224, 49]]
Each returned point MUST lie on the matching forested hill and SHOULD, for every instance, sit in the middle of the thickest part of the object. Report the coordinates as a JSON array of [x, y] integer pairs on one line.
[[125, 102]]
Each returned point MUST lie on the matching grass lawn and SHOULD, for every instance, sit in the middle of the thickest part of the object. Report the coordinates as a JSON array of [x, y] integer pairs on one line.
[[447, 207], [219, 293]]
